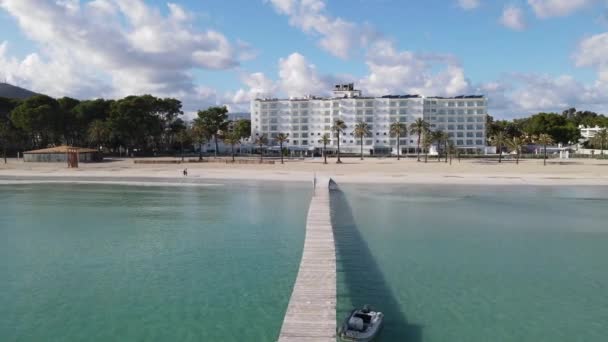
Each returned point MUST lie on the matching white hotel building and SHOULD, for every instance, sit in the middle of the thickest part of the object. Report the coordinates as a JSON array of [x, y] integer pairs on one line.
[[307, 119]]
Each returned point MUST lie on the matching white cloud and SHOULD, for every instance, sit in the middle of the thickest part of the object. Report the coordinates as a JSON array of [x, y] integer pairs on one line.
[[299, 78], [558, 8], [513, 18], [593, 52], [468, 4], [115, 48], [336, 35]]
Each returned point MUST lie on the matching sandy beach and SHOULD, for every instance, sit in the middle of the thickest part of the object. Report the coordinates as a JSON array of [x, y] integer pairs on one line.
[[352, 170]]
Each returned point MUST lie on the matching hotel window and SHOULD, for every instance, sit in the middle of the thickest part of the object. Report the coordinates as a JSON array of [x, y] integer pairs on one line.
[[369, 112], [480, 111], [471, 104], [273, 128], [264, 128], [478, 134], [460, 119], [393, 112], [479, 126], [326, 104], [274, 135], [451, 119], [470, 127], [470, 111], [305, 128], [296, 135], [440, 119], [460, 104], [296, 128], [327, 120], [460, 127], [480, 104], [461, 111], [359, 112], [304, 142], [304, 135], [369, 104], [304, 120], [369, 119], [460, 134], [451, 104], [469, 142], [294, 105], [451, 127], [441, 111], [451, 134], [304, 105], [295, 142], [403, 111], [403, 104], [403, 119], [295, 120], [459, 142], [273, 120], [264, 106], [478, 142], [469, 134], [481, 119], [451, 112], [369, 142]]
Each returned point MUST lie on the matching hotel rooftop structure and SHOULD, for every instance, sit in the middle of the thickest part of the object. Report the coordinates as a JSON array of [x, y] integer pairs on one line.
[[307, 119]]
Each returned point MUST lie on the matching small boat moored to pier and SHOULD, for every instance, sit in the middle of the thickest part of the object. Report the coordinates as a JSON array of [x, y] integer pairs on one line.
[[361, 325]]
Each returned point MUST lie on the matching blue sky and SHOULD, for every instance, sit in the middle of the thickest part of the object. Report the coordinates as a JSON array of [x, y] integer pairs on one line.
[[526, 55]]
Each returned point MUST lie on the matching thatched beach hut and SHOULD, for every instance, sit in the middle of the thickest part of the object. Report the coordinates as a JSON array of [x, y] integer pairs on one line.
[[59, 154]]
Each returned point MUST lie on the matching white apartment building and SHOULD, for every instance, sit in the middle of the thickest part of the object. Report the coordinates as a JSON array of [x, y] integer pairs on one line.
[[589, 132], [306, 120]]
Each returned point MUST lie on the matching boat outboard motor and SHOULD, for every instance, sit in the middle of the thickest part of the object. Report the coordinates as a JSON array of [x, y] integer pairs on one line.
[[356, 323]]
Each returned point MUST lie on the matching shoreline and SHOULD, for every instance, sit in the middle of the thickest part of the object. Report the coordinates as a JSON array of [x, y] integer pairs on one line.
[[353, 171]]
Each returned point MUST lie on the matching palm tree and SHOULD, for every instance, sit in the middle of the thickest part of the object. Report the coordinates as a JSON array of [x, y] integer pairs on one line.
[[282, 138], [232, 138], [445, 137], [398, 129], [325, 140], [544, 139], [419, 127], [498, 140], [182, 137], [361, 131], [261, 141], [98, 133], [338, 127], [516, 144], [601, 139], [427, 141], [201, 135], [452, 150]]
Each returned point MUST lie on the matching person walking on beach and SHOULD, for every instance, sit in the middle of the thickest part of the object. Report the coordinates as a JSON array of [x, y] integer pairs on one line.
[[185, 172]]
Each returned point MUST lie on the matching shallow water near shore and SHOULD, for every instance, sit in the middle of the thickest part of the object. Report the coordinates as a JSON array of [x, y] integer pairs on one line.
[[466, 263], [114, 262]]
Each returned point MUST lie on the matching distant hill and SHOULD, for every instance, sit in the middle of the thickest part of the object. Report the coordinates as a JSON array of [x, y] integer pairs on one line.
[[14, 92]]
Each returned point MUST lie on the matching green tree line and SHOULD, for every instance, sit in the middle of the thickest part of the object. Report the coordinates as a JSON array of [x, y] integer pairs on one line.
[[146, 124]]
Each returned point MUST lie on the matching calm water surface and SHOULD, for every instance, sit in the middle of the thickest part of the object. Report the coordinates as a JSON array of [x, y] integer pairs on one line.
[[453, 263], [110, 263]]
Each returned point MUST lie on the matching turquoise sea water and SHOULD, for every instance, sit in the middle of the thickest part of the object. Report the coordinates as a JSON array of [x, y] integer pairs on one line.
[[449, 263], [123, 263]]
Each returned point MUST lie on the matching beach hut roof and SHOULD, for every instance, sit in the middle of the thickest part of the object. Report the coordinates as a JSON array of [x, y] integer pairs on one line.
[[61, 149]]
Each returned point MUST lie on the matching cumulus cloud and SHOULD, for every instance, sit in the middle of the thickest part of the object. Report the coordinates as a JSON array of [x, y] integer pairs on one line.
[[558, 8], [336, 35], [513, 18], [593, 52], [126, 46], [468, 4]]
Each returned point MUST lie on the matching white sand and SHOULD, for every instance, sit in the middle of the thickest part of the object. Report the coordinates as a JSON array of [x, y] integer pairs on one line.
[[571, 172]]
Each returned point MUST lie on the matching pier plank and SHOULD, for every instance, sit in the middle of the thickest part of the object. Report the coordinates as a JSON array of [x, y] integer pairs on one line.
[[311, 313]]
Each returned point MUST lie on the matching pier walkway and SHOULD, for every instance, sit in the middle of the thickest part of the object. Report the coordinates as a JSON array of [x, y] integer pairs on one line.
[[311, 314]]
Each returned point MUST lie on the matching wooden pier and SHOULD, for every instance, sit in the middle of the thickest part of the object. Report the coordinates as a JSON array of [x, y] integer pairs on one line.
[[311, 314]]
